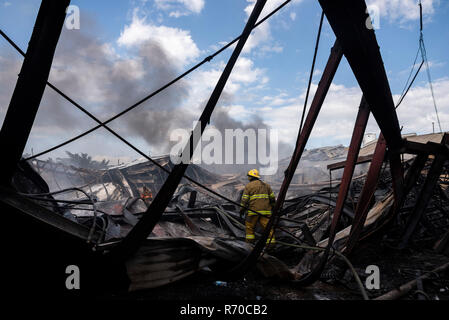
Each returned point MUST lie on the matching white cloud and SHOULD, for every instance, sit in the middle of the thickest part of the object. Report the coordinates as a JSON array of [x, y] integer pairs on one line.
[[244, 75], [269, 6], [244, 71], [293, 16], [9, 69], [281, 99], [267, 49], [262, 33], [239, 112], [177, 43], [402, 10], [178, 8], [337, 117], [417, 112]]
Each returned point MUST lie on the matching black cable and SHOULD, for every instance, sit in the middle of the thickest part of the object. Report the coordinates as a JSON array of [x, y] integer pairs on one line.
[[409, 76], [420, 16], [424, 55], [407, 86], [311, 71], [410, 85], [67, 207], [422, 47], [58, 200]]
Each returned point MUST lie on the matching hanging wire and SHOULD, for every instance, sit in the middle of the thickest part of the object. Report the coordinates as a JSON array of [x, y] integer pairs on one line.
[[407, 84], [410, 85], [312, 68], [422, 49], [424, 55]]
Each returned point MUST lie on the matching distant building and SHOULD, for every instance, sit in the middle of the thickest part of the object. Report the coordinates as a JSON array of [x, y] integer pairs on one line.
[[369, 137]]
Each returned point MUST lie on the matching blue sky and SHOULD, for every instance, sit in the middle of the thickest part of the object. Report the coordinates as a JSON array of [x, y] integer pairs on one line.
[[269, 80]]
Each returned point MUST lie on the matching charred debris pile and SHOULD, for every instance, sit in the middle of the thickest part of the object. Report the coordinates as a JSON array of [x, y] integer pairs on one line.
[[203, 235]]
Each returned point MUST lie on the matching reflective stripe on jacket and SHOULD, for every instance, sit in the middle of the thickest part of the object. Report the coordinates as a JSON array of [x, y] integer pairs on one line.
[[259, 197]]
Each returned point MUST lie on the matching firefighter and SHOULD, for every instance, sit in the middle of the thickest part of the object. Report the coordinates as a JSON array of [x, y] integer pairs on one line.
[[258, 197], [146, 195]]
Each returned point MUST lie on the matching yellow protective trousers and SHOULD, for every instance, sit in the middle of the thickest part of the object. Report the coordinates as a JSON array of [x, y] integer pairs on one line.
[[251, 222]]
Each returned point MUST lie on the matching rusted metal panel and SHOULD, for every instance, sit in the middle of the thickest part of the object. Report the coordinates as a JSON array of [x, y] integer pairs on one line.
[[30, 85]]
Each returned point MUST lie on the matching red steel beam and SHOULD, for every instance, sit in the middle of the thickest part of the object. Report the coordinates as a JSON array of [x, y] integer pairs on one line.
[[351, 161], [315, 108], [367, 194], [303, 136], [341, 164], [397, 175]]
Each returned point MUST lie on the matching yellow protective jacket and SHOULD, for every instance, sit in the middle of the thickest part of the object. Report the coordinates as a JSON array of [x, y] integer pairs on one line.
[[259, 197]]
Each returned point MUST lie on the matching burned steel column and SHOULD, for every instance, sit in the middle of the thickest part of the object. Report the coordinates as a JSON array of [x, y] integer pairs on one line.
[[425, 194], [30, 85], [353, 152], [143, 228], [397, 175], [367, 194], [411, 177], [351, 160], [348, 19]]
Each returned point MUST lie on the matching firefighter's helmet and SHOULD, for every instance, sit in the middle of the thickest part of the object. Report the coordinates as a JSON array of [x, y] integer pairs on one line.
[[254, 173]]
